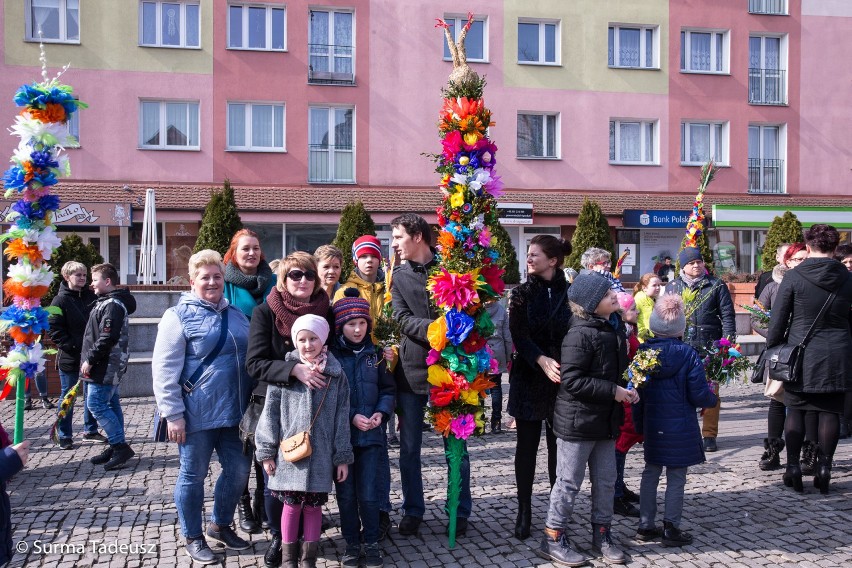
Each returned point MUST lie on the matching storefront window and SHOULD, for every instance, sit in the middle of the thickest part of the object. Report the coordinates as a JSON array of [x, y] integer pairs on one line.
[[309, 237], [180, 240], [737, 250], [271, 238]]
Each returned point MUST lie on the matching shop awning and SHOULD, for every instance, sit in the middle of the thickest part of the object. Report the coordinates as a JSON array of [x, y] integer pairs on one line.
[[759, 216]]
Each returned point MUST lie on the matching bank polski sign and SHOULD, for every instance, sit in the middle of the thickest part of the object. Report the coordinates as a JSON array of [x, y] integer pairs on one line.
[[655, 218]]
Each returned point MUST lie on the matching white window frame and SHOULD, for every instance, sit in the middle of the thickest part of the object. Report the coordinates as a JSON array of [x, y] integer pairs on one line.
[[32, 33], [781, 150], [783, 64], [245, 26], [331, 55], [686, 44], [542, 48], [330, 108], [762, 7], [163, 126], [159, 41], [557, 150], [74, 128], [459, 22], [249, 147], [643, 42], [685, 127], [655, 141]]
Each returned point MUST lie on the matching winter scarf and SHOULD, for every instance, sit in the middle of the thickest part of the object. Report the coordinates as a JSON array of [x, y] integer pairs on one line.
[[287, 309], [688, 280], [255, 284]]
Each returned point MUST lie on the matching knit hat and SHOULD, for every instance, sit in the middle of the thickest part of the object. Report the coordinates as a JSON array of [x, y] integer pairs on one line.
[[687, 255], [587, 290], [310, 322], [350, 306], [668, 318], [625, 300], [368, 244]]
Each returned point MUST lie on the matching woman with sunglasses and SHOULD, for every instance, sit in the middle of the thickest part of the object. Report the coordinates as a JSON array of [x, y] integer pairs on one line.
[[297, 292]]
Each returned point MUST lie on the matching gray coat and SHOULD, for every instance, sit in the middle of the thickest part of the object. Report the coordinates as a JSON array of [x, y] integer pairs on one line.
[[501, 341], [287, 411], [767, 295]]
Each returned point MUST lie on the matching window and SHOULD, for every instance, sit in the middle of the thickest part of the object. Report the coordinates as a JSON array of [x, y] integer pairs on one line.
[[702, 142], [169, 24], [765, 159], [476, 41], [257, 27], [331, 141], [537, 135], [256, 126], [633, 47], [538, 42], [704, 51], [331, 47], [766, 74], [632, 141], [53, 20], [74, 127], [770, 7], [169, 125]]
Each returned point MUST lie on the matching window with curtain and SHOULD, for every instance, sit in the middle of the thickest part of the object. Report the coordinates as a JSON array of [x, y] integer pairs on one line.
[[256, 126], [257, 27], [632, 46], [475, 42], [766, 71], [331, 46], [331, 153], [538, 42], [169, 24], [53, 20], [537, 135], [703, 51], [703, 141], [632, 141], [74, 127], [169, 125]]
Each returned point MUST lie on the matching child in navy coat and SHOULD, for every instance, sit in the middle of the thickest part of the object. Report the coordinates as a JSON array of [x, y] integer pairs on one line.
[[12, 460]]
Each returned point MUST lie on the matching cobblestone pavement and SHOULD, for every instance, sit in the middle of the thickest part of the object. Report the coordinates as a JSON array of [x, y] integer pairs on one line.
[[68, 513]]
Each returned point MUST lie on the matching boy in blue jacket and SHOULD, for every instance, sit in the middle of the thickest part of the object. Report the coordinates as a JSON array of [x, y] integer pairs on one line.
[[12, 460], [666, 415], [371, 402]]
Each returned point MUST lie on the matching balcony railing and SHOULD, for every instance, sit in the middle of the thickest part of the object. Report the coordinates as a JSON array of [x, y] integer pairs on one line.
[[770, 7], [331, 64], [765, 176], [767, 86], [331, 164]]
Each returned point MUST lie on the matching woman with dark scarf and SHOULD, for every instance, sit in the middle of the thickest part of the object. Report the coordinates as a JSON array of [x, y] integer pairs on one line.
[[297, 292], [248, 280]]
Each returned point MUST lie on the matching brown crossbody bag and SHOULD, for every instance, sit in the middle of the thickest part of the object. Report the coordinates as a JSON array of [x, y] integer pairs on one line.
[[298, 447]]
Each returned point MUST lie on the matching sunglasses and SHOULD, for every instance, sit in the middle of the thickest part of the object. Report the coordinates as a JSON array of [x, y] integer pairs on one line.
[[296, 275]]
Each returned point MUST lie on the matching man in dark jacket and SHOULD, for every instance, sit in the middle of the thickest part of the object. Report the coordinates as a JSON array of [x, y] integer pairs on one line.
[[104, 361], [66, 330], [411, 307], [712, 319]]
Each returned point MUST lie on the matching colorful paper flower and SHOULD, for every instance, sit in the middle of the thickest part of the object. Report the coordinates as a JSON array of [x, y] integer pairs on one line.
[[452, 290], [442, 421], [463, 426], [436, 333], [458, 327]]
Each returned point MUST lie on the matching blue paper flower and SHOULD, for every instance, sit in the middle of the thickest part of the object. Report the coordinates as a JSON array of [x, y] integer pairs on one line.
[[29, 369], [34, 320], [49, 203], [13, 178], [459, 326], [483, 360], [43, 160]]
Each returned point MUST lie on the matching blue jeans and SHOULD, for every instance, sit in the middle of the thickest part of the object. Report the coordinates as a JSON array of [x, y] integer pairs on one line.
[[195, 456], [496, 397], [383, 476], [105, 407], [412, 408], [41, 386], [90, 425], [358, 497]]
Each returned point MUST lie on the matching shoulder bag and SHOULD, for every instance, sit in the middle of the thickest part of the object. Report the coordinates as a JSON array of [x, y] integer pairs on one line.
[[784, 360], [161, 430], [298, 446]]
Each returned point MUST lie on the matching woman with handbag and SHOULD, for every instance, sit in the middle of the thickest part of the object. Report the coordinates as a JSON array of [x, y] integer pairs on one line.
[[248, 280], [538, 320], [812, 311], [297, 292], [202, 388]]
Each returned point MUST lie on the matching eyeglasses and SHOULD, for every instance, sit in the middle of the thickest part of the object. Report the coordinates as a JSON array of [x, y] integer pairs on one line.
[[296, 275], [796, 260]]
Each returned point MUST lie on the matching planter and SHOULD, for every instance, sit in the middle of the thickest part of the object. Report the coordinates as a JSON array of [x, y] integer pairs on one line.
[[742, 293]]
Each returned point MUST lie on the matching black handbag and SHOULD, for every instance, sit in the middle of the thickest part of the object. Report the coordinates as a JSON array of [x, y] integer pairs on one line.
[[248, 423], [161, 427], [784, 360]]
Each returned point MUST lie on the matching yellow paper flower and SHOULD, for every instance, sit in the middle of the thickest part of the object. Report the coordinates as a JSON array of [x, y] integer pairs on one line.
[[437, 334], [457, 199], [469, 396], [471, 138], [438, 375]]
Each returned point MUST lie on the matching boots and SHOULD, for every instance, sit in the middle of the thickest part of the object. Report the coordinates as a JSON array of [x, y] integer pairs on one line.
[[102, 457], [602, 544], [289, 557], [555, 546], [771, 458], [246, 516], [673, 536], [793, 478], [259, 510], [496, 424], [522, 523], [272, 558], [120, 454], [823, 472], [308, 558], [809, 450]]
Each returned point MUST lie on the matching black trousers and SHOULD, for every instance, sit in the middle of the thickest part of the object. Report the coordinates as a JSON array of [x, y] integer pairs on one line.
[[526, 452]]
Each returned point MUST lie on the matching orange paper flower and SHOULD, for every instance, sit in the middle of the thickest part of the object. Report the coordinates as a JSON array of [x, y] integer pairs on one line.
[[442, 421], [15, 288], [51, 113], [17, 249], [22, 337]]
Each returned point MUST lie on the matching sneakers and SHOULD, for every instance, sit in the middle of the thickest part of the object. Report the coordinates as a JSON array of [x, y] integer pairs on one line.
[[393, 442], [46, 404], [623, 507], [351, 556], [373, 556], [409, 525], [120, 454], [96, 437], [198, 550], [227, 537], [649, 535], [28, 404], [673, 536], [384, 525], [66, 444], [555, 546], [102, 457], [710, 445]]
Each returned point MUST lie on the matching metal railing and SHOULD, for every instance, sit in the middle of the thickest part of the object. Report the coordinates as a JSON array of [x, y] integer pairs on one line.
[[331, 164], [771, 7], [765, 176], [767, 86], [331, 64]]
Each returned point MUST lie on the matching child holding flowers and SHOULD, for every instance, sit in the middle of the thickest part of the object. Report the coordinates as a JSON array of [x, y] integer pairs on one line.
[[666, 416]]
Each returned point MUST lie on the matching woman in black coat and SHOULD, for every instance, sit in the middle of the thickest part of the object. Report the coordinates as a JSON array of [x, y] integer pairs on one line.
[[827, 363], [538, 320]]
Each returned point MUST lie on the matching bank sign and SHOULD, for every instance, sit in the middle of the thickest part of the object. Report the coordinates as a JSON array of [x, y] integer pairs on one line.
[[656, 218]]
